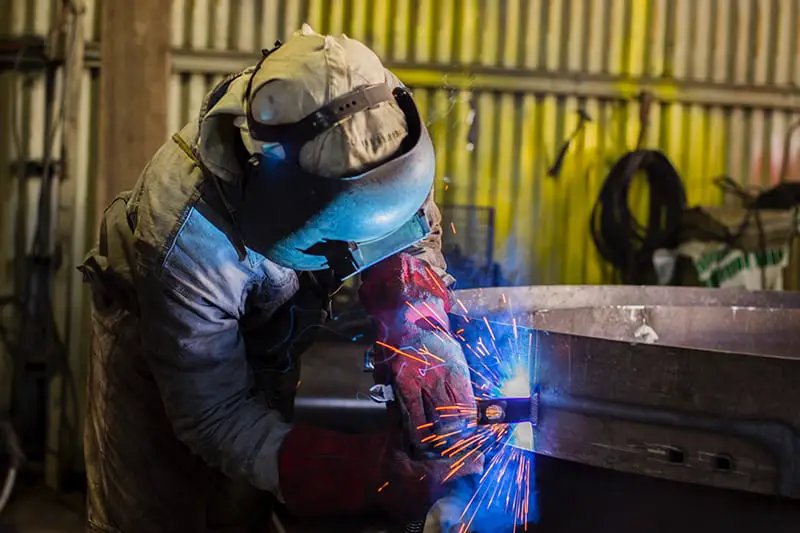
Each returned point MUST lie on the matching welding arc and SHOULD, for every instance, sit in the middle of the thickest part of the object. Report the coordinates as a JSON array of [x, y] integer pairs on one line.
[[619, 237]]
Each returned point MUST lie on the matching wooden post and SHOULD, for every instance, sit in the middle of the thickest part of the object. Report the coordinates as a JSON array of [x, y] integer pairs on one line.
[[134, 88]]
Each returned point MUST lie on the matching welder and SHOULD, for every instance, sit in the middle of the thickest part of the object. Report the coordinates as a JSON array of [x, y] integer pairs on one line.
[[304, 170]]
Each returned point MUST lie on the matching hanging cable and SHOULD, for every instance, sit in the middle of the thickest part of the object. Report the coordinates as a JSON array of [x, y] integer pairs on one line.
[[32, 331], [621, 239]]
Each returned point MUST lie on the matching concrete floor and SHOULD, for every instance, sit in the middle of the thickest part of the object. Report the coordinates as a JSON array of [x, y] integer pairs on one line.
[[40, 510], [573, 499], [37, 509]]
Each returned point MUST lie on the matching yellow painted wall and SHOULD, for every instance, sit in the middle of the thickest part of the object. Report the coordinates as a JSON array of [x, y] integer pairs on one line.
[[724, 73]]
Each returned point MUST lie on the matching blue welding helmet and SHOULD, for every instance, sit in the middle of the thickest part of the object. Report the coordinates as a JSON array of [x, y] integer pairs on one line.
[[307, 222]]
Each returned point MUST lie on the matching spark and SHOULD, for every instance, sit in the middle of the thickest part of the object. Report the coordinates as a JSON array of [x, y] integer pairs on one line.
[[386, 484], [453, 227], [436, 327], [486, 321], [401, 352], [461, 305], [433, 312], [452, 472], [435, 278], [425, 351], [506, 484]]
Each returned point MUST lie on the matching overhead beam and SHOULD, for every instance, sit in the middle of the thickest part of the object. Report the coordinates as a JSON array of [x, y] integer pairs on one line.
[[555, 83]]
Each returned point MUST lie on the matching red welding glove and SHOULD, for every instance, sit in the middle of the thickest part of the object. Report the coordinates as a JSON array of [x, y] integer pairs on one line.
[[420, 359], [325, 473]]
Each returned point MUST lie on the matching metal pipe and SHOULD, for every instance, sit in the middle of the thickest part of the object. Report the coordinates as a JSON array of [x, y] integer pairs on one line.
[[8, 486], [495, 78]]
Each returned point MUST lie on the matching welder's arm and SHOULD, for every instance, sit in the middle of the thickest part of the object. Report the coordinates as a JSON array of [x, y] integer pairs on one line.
[[430, 248], [197, 357], [422, 362]]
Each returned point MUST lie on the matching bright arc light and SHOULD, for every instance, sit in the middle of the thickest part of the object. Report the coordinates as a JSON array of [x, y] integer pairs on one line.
[[519, 386]]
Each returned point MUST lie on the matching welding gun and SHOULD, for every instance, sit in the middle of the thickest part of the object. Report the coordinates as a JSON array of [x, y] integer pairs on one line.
[[508, 410], [489, 411]]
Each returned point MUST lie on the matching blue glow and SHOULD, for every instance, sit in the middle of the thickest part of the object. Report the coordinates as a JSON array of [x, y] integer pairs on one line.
[[502, 359], [518, 385]]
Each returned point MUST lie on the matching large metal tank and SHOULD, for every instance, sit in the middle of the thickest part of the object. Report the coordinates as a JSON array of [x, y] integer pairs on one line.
[[686, 384], [654, 403]]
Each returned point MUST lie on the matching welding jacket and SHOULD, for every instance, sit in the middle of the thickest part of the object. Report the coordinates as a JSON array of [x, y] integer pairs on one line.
[[195, 349]]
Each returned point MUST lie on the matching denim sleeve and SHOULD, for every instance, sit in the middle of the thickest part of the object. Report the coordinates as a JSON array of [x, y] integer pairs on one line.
[[430, 248], [190, 324]]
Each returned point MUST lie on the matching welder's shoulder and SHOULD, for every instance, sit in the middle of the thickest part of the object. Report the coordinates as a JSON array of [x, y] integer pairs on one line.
[[138, 225], [165, 192], [185, 238], [206, 259]]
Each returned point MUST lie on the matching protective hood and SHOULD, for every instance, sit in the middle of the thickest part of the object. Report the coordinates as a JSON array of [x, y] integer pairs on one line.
[[305, 221], [319, 208]]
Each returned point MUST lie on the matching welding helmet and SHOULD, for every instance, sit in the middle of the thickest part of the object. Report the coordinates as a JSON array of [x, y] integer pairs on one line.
[[306, 211]]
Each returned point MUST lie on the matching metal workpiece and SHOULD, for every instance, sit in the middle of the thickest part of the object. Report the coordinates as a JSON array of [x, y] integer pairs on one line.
[[693, 385], [334, 391], [503, 303]]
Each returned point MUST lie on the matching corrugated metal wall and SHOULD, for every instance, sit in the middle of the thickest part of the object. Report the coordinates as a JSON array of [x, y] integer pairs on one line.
[[725, 73], [729, 71], [525, 67], [26, 127]]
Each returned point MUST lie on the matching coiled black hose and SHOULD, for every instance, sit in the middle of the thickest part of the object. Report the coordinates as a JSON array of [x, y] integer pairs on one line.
[[619, 237]]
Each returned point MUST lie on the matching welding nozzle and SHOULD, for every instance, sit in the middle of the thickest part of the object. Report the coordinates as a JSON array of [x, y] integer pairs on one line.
[[509, 410]]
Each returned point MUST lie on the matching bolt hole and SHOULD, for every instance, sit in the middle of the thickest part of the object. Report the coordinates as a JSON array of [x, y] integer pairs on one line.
[[675, 456], [723, 463]]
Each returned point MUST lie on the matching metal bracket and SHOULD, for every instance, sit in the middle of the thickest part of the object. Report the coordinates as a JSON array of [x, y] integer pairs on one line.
[[24, 53], [381, 393], [369, 359], [35, 168]]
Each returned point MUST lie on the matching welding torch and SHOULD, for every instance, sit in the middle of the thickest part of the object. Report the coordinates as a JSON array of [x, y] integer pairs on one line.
[[489, 411], [508, 410]]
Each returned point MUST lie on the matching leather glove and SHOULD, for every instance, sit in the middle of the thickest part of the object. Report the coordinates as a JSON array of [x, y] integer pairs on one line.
[[424, 364], [326, 473]]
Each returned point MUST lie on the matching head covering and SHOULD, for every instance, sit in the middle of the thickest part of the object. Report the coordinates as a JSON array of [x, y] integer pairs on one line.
[[308, 72], [342, 161]]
